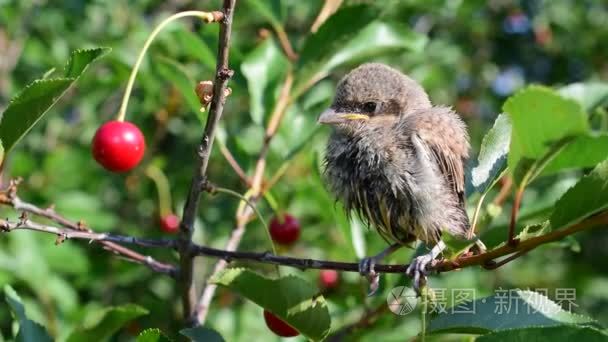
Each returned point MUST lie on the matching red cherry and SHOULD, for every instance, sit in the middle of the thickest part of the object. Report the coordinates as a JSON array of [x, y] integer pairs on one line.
[[118, 146], [169, 223], [329, 279], [286, 232], [278, 326]]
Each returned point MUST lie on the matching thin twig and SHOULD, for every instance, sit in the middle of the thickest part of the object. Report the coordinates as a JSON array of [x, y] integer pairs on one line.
[[202, 308], [285, 44], [514, 211], [329, 8], [223, 74], [67, 233], [279, 110], [497, 264], [505, 191], [234, 164], [10, 198], [524, 245], [204, 91], [127, 254]]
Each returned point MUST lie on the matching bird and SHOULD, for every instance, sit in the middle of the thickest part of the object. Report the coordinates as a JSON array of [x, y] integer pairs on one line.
[[397, 161]]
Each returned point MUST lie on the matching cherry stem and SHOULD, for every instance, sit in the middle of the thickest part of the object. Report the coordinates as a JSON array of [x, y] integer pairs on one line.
[[473, 227], [162, 187], [207, 17], [272, 202], [253, 207]]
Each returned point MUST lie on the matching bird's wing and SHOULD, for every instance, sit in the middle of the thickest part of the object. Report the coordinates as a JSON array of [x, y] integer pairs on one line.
[[442, 130]]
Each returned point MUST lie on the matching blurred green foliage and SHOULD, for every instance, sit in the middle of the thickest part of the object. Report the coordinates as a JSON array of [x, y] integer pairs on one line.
[[468, 54]]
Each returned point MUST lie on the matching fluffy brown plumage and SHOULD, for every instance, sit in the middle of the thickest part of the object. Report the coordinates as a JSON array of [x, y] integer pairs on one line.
[[394, 158]]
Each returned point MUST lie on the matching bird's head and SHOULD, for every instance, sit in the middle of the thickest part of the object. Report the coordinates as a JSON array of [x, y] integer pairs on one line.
[[372, 93]]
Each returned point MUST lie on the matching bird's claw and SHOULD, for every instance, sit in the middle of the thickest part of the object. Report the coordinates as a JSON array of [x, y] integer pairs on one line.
[[366, 268], [418, 270]]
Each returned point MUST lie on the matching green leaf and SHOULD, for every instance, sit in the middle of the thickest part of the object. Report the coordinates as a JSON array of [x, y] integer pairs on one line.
[[377, 39], [178, 75], [594, 145], [194, 46], [202, 334], [48, 73], [540, 118], [528, 169], [348, 36], [508, 309], [81, 59], [267, 9], [152, 335], [109, 322], [305, 142], [587, 197], [25, 110], [590, 95], [28, 107], [492, 159], [290, 298], [533, 230], [559, 333], [335, 32], [29, 331], [455, 246], [263, 68]]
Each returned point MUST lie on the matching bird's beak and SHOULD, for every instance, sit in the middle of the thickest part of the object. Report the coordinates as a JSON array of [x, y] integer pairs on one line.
[[331, 117]]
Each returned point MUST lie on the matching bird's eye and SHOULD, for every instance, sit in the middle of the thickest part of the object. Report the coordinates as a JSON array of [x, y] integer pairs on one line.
[[369, 107]]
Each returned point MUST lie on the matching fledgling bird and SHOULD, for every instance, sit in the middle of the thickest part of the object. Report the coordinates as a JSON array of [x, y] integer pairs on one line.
[[397, 161]]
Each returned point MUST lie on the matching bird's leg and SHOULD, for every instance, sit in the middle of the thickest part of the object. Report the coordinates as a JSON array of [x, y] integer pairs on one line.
[[366, 267], [418, 267]]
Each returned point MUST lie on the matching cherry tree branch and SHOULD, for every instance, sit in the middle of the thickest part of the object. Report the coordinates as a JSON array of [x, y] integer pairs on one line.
[[510, 253], [244, 213], [222, 75], [79, 230], [66, 233], [73, 230]]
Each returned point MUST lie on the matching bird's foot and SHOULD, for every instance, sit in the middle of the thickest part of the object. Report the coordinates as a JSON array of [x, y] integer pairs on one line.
[[419, 267], [366, 268], [418, 270]]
